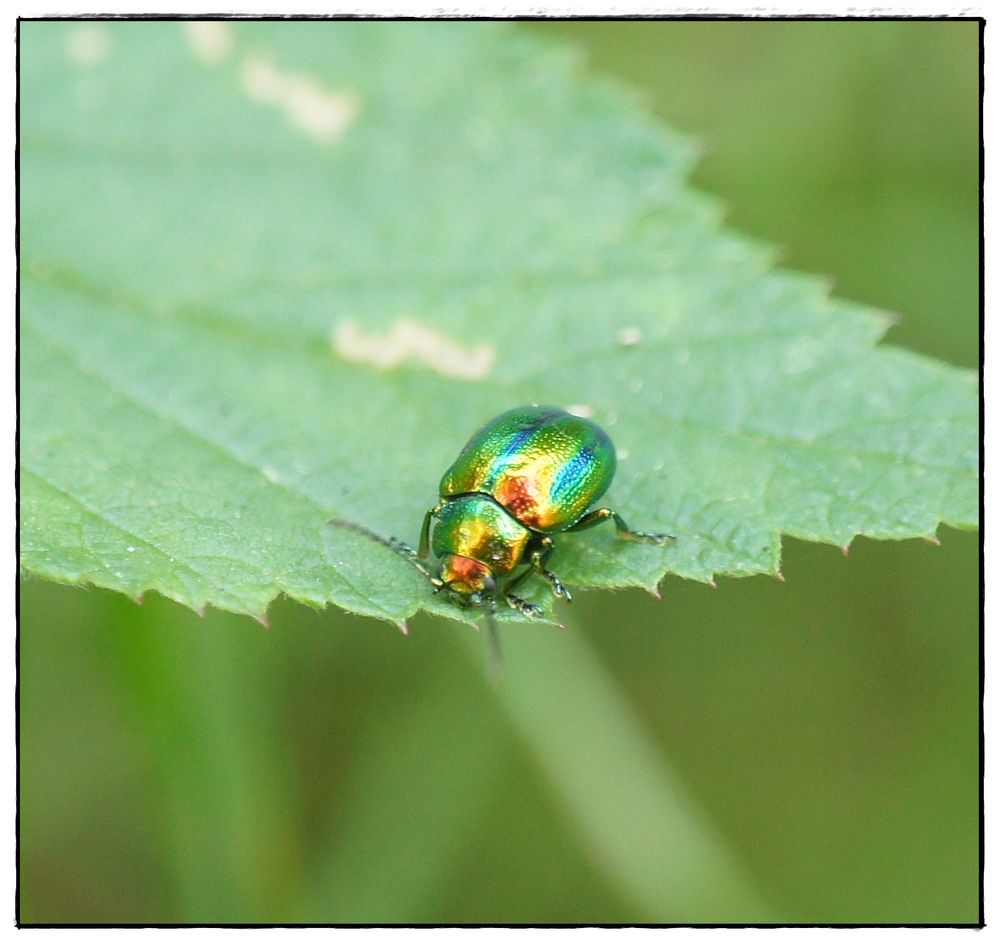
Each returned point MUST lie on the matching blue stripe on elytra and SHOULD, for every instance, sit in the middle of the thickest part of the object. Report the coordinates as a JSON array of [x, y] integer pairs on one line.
[[514, 448], [570, 474]]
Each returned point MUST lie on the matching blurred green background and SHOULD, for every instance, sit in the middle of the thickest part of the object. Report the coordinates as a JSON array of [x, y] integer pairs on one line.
[[327, 769]]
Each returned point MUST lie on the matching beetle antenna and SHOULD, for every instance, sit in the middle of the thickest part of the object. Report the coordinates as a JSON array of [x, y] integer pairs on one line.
[[393, 543], [496, 655]]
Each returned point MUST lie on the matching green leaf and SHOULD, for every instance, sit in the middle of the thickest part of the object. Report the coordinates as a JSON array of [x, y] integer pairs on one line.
[[273, 273]]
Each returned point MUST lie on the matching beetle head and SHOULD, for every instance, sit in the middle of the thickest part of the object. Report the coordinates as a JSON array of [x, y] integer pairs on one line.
[[470, 580]]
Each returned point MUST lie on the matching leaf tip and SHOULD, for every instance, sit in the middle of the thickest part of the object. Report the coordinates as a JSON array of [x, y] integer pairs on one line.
[[889, 318]]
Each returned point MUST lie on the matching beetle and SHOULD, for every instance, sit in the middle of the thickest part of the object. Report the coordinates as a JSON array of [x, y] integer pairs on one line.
[[526, 475]]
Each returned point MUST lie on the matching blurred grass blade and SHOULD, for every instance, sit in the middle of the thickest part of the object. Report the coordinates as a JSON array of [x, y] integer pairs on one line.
[[640, 825], [415, 794], [205, 705]]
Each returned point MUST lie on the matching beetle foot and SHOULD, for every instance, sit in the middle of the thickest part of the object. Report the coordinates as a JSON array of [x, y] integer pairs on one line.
[[523, 606], [660, 540], [558, 590]]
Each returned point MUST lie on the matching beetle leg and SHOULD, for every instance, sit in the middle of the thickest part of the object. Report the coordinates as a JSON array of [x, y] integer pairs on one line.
[[538, 558], [516, 602], [600, 515], [523, 606], [424, 547], [536, 564]]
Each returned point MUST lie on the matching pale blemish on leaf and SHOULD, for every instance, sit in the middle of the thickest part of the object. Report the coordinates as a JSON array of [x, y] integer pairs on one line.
[[211, 41], [88, 45], [408, 339], [582, 410], [630, 336], [321, 112]]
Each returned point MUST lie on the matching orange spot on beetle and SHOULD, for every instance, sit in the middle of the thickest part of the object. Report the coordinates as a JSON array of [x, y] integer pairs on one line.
[[519, 495]]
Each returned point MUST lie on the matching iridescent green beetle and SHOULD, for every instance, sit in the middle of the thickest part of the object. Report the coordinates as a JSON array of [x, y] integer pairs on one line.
[[530, 473]]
